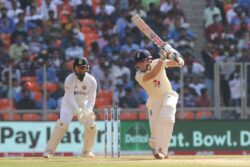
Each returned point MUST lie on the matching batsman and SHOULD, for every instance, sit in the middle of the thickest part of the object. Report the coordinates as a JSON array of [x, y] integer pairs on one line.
[[79, 99], [162, 99]]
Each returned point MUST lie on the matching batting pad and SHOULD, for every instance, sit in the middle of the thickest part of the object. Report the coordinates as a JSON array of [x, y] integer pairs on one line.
[[163, 136], [59, 130], [152, 142], [89, 138]]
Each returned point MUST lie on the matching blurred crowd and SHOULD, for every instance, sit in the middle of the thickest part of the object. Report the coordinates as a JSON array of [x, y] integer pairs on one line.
[[50, 33]]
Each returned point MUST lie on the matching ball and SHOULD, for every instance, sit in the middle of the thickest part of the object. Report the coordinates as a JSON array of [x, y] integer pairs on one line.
[[28, 85]]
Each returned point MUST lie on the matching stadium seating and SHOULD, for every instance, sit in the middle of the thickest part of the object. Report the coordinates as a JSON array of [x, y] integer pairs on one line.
[[188, 115], [102, 102], [5, 103], [52, 116], [37, 96], [35, 87], [143, 115], [129, 116], [107, 94], [51, 87], [31, 117], [16, 117], [204, 115]]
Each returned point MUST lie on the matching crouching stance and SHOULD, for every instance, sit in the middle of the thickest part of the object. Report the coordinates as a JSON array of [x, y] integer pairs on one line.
[[79, 99], [162, 100]]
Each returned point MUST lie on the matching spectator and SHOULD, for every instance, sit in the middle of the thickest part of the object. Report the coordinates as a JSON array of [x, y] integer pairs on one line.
[[140, 94], [204, 99], [105, 8], [51, 103], [7, 24], [118, 92], [84, 10], [139, 11], [129, 46], [209, 54], [12, 67], [189, 98], [119, 69], [93, 54], [209, 11], [17, 48], [64, 10], [122, 23], [25, 65], [185, 40], [197, 84], [47, 5], [244, 42], [112, 48], [107, 82], [35, 41], [14, 10], [26, 102], [236, 93], [215, 31], [179, 25], [59, 92], [101, 70], [193, 68], [238, 19], [176, 83], [74, 51], [4, 57], [51, 73], [16, 91], [166, 6], [34, 16], [129, 100]]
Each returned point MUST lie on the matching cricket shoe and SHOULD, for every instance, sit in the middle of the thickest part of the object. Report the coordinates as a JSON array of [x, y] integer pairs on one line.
[[48, 154], [88, 155], [159, 155]]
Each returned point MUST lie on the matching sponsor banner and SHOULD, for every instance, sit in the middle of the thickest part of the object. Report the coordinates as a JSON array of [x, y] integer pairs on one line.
[[196, 137], [33, 136], [191, 135], [135, 135]]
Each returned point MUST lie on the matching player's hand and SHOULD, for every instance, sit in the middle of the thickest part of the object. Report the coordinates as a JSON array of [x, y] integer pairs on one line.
[[180, 61], [167, 52]]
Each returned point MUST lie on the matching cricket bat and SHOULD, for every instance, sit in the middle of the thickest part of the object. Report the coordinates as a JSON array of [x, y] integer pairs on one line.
[[146, 30]]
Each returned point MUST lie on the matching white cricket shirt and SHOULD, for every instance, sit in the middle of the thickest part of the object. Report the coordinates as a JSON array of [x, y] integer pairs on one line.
[[79, 93]]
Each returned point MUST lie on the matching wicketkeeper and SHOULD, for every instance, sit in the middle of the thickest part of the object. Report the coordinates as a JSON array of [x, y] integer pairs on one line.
[[162, 99], [79, 99]]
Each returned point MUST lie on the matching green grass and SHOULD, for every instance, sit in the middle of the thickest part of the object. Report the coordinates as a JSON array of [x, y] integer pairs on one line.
[[129, 161]]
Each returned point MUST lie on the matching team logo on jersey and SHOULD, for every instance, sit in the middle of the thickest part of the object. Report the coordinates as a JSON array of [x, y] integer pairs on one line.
[[84, 87], [157, 83], [80, 62]]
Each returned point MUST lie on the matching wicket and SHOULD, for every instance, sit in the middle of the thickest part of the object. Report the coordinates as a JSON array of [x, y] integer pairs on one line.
[[114, 112]]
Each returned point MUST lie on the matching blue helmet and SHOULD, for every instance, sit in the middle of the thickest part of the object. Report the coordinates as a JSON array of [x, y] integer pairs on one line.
[[142, 55]]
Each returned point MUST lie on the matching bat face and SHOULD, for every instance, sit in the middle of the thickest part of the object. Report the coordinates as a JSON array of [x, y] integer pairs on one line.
[[146, 30], [157, 40]]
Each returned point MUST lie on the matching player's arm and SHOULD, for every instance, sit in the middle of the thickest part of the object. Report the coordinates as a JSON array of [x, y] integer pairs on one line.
[[69, 94], [172, 63], [154, 72], [92, 95]]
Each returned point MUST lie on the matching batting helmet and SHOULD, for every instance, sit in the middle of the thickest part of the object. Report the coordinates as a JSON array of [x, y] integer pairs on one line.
[[80, 62], [142, 55]]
